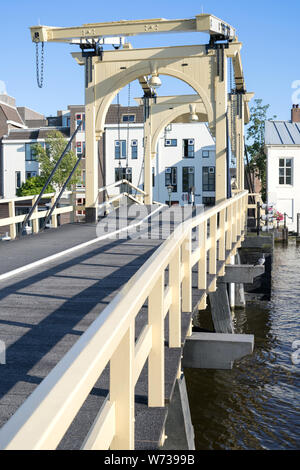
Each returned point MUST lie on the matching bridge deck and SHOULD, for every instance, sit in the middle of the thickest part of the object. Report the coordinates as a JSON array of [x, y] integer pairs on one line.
[[43, 312]]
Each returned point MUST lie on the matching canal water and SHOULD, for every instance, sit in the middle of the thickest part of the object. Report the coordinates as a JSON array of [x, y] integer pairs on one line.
[[256, 404]]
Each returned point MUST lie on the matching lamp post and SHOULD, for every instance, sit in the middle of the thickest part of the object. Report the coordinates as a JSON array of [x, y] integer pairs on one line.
[[170, 189]]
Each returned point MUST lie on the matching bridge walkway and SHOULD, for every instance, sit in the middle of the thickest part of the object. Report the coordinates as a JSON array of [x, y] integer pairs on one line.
[[44, 310]]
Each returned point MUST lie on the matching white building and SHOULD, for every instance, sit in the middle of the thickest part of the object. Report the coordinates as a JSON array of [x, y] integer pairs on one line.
[[18, 160], [185, 155], [282, 146], [185, 160]]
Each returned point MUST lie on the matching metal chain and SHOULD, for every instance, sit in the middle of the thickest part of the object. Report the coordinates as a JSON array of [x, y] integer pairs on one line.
[[128, 104], [39, 78]]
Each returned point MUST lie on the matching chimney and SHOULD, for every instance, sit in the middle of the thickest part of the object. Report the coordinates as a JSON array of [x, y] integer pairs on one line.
[[295, 113]]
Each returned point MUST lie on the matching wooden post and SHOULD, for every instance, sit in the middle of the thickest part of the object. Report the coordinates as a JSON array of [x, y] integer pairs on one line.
[[186, 248], [12, 226], [202, 264], [220, 86], [175, 309], [212, 269], [156, 360], [35, 222], [91, 144], [122, 391], [54, 216]]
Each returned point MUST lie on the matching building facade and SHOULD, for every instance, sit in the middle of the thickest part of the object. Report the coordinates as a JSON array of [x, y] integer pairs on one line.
[[282, 147], [183, 170]]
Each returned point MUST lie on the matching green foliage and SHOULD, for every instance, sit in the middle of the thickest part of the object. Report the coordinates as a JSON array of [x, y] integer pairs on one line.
[[255, 141], [34, 186], [48, 157]]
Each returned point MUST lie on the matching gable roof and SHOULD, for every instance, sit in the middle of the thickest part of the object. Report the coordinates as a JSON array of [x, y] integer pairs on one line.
[[11, 114], [282, 133]]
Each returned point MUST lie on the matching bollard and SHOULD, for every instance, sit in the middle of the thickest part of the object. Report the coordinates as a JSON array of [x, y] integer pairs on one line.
[[298, 229]]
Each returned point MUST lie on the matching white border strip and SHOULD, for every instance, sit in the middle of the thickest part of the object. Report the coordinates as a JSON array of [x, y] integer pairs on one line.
[[40, 262]]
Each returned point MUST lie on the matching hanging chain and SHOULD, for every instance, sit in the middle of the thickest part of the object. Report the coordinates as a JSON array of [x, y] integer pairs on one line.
[[128, 104], [39, 78]]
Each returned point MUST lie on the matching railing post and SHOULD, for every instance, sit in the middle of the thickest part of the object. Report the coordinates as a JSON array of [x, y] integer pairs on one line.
[[212, 268], [12, 225], [54, 216], [122, 391], [156, 360], [222, 240], [229, 228], [175, 309], [35, 222], [234, 224], [202, 264], [186, 249]]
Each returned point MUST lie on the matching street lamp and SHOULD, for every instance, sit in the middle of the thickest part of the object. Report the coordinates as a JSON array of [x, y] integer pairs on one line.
[[170, 189]]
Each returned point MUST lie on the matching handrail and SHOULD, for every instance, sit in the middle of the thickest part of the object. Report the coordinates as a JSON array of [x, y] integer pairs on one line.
[[12, 219], [44, 418], [118, 183]]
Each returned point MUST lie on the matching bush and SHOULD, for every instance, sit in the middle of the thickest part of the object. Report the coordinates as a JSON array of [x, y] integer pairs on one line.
[[34, 186]]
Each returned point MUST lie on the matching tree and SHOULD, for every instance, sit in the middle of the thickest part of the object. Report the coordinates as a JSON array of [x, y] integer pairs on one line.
[[256, 137], [48, 156], [34, 186]]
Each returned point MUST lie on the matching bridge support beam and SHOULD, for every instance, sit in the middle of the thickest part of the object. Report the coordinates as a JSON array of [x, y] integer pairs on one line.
[[179, 429], [215, 351], [220, 309]]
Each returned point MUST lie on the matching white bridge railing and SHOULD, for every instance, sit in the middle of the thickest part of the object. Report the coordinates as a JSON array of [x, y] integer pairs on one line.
[[44, 418], [14, 219]]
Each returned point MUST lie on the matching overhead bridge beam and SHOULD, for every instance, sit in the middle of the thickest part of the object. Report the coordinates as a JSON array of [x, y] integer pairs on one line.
[[200, 23], [215, 350]]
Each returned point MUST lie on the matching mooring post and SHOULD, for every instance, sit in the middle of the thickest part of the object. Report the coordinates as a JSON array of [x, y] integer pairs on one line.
[[239, 294], [231, 288], [298, 229]]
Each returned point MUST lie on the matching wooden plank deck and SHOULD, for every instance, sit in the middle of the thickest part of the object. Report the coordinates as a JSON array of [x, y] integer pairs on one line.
[[44, 311]]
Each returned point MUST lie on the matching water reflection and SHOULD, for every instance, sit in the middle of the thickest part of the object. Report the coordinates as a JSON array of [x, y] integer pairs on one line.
[[255, 405]]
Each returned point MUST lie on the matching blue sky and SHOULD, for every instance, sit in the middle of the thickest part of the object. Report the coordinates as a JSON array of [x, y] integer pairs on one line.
[[268, 29]]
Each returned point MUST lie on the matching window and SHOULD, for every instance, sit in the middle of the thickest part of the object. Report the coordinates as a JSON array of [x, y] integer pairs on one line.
[[188, 179], [78, 118], [134, 149], [81, 183], [80, 149], [209, 201], [128, 118], [170, 142], [30, 155], [18, 179], [188, 148], [30, 174], [285, 171], [206, 153], [120, 149], [124, 174], [171, 178], [208, 178]]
